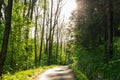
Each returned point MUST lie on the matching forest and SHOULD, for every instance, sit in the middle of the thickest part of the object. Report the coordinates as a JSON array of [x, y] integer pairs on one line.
[[33, 34]]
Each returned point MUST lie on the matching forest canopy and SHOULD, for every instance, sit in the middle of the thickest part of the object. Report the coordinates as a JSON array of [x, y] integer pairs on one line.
[[36, 33]]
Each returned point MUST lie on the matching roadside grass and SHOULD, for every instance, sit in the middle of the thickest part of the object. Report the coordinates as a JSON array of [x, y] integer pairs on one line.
[[27, 74], [78, 74]]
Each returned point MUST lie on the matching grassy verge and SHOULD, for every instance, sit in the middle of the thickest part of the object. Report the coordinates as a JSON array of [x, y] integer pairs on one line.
[[25, 75], [78, 74]]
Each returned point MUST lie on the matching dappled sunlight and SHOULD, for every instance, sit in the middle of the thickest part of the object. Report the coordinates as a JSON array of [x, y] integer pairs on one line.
[[57, 73], [83, 34]]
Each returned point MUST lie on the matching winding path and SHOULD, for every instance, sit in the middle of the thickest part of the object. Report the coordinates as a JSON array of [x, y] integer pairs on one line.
[[57, 73]]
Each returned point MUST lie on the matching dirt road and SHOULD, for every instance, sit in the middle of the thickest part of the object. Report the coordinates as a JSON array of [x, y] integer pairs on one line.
[[57, 73]]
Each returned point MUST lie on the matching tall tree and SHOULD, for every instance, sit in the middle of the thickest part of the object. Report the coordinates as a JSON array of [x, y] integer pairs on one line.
[[35, 35], [57, 46], [42, 33], [53, 22], [110, 29], [0, 9], [50, 32], [6, 35]]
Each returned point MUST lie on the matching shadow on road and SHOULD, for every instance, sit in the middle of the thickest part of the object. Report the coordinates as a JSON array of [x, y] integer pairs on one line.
[[57, 73]]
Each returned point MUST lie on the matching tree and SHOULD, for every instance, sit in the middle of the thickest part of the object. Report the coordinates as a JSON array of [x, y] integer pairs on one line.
[[6, 35], [28, 36], [35, 36], [42, 32], [96, 34], [110, 30], [53, 23], [0, 9]]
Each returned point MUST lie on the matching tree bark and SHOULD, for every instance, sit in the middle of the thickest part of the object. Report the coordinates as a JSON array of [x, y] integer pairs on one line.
[[61, 46], [57, 46], [32, 8], [50, 35], [35, 39], [43, 26], [0, 9], [6, 35], [110, 30]]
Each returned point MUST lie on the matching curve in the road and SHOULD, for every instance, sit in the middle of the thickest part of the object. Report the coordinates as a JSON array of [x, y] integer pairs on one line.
[[57, 73]]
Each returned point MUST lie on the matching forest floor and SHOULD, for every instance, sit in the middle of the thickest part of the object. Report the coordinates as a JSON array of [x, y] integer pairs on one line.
[[56, 73]]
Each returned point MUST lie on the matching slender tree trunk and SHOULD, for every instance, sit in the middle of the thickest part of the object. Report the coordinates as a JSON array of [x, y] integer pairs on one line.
[[35, 39], [32, 8], [47, 29], [65, 52], [50, 37], [110, 30], [61, 49], [25, 3], [43, 26], [105, 44], [6, 35], [46, 45], [28, 16], [57, 46], [27, 48], [0, 10]]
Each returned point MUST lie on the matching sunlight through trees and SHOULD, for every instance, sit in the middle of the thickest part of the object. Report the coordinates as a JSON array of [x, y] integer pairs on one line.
[[84, 34]]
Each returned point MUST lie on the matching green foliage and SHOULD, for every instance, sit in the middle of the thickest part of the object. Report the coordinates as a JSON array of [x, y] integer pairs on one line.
[[60, 57], [21, 47], [27, 74], [88, 61], [110, 71], [78, 74], [90, 41], [92, 63], [20, 54]]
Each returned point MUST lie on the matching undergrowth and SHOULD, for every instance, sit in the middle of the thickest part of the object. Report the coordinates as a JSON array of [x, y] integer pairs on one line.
[[78, 74], [25, 75]]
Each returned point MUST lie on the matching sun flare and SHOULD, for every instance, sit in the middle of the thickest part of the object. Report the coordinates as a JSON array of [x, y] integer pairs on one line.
[[67, 9]]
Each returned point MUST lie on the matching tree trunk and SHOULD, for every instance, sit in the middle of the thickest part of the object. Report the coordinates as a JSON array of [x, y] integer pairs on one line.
[[43, 26], [0, 10], [110, 30], [57, 46], [6, 35], [32, 8], [25, 3], [50, 35], [35, 39], [61, 45]]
